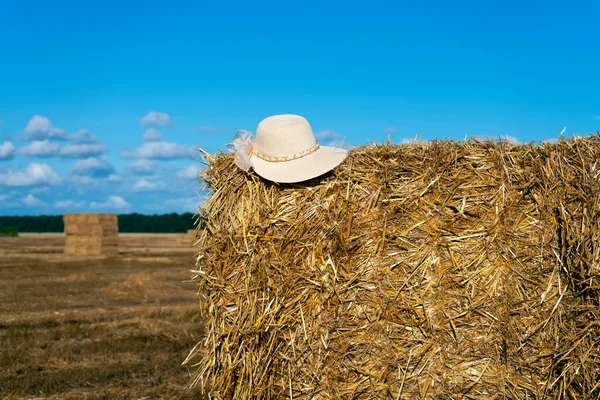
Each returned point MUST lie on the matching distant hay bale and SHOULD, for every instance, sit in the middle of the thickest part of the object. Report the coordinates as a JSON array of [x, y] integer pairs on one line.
[[91, 234], [429, 270]]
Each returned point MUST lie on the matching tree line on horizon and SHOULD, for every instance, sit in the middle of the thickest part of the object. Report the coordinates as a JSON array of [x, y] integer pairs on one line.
[[128, 223]]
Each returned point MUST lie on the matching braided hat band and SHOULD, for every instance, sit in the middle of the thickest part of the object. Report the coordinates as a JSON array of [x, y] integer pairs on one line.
[[286, 158]]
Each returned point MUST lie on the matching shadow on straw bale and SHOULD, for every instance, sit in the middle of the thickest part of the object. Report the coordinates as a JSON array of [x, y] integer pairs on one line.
[[430, 270]]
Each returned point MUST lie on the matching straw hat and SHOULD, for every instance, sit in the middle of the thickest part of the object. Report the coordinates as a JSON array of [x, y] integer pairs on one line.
[[285, 150]]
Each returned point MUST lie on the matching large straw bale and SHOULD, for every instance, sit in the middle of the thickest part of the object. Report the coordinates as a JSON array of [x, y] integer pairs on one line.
[[91, 234], [430, 270]]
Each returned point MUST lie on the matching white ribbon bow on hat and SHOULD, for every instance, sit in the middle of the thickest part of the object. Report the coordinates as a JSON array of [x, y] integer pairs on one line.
[[242, 145]]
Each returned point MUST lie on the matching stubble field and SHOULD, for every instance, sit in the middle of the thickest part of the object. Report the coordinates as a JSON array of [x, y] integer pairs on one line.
[[94, 327]]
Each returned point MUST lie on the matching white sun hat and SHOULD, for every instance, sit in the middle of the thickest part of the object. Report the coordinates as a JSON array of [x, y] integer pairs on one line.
[[285, 150]]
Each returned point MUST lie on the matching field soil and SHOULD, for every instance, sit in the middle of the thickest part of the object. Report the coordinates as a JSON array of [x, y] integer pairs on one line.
[[74, 327]]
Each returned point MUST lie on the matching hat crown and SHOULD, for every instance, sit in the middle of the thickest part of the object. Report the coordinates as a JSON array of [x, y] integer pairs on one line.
[[286, 135]]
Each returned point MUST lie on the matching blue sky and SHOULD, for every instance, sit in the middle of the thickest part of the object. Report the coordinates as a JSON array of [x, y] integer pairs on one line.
[[103, 104]]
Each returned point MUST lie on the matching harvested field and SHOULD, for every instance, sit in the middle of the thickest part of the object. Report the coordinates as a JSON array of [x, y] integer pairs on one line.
[[75, 327]]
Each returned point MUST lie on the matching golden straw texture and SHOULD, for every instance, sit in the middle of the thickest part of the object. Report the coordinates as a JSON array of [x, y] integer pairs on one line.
[[430, 270]]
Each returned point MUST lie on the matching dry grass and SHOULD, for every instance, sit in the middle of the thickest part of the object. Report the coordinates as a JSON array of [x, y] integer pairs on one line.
[[440, 270], [96, 327]]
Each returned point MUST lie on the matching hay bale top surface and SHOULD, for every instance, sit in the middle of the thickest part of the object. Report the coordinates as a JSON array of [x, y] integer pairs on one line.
[[89, 224], [430, 270], [90, 218]]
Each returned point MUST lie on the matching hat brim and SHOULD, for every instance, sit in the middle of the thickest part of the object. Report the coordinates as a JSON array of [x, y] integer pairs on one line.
[[315, 164]]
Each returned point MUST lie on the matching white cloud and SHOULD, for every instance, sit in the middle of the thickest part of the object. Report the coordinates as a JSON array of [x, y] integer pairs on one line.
[[43, 189], [145, 186], [96, 167], [40, 127], [156, 118], [191, 172], [417, 139], [328, 134], [83, 136], [40, 148], [35, 174], [499, 138], [152, 135], [113, 202], [31, 201], [4, 200], [509, 138], [69, 204], [160, 150], [329, 137], [142, 167], [7, 196], [389, 130], [550, 140], [205, 129], [114, 178], [82, 150], [81, 180], [7, 150], [38, 123]]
